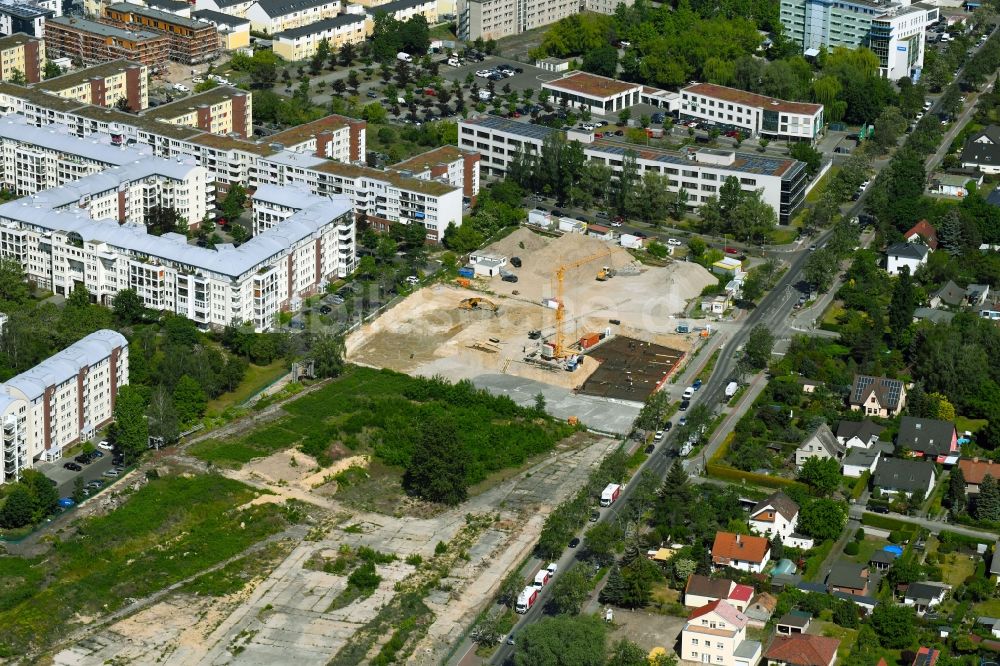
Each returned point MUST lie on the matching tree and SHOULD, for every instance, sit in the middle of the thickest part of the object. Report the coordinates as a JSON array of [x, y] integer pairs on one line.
[[602, 61], [888, 127], [130, 432], [52, 70], [78, 494], [988, 500], [901, 307], [128, 307], [235, 201], [562, 641], [509, 589], [122, 104], [627, 653], [823, 518], [164, 422], [759, 344], [239, 233], [894, 625], [18, 508], [570, 590], [14, 288], [437, 468], [189, 399], [327, 352], [822, 474], [43, 494], [820, 268], [600, 542], [955, 498], [804, 152], [845, 614], [17, 77]]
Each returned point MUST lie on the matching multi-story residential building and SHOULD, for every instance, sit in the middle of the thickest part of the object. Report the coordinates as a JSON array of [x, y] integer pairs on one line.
[[27, 17], [493, 19], [234, 31], [404, 10], [459, 168], [22, 54], [599, 94], [337, 137], [104, 85], [191, 41], [221, 110], [733, 109], [699, 171], [893, 30], [61, 401], [274, 16], [300, 43], [92, 42], [716, 634]]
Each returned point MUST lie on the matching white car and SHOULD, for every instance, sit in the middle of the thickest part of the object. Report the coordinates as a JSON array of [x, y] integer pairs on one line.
[[454, 62], [616, 224], [688, 393], [484, 73], [197, 79], [106, 445], [485, 95], [658, 436], [674, 242], [413, 279], [589, 127], [180, 87]]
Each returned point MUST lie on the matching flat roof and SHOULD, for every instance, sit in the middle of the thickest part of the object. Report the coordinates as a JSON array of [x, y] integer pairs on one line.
[[16, 128], [219, 17], [431, 187], [752, 99], [66, 364], [591, 85], [320, 26], [745, 162], [103, 29], [424, 161], [17, 39], [24, 11], [229, 143], [80, 76], [293, 136], [525, 129], [157, 14], [180, 107]]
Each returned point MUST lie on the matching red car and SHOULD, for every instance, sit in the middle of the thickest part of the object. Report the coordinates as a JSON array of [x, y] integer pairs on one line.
[[431, 92], [730, 250]]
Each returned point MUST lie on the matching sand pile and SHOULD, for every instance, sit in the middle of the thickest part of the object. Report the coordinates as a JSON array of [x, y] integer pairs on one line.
[[518, 243]]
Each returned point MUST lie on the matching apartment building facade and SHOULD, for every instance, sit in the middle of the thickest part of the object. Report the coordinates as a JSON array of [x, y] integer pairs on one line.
[[337, 137], [716, 634], [274, 16], [61, 401], [221, 110], [698, 171], [894, 30], [104, 85], [733, 109], [237, 8], [457, 167], [234, 32], [190, 41], [404, 10], [28, 17], [21, 53], [93, 43], [302, 42], [493, 19]]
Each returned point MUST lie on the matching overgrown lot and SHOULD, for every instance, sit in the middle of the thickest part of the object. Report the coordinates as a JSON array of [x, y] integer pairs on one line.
[[381, 412], [167, 531]]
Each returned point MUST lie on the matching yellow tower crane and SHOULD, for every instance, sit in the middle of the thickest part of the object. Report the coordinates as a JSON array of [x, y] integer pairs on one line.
[[558, 347]]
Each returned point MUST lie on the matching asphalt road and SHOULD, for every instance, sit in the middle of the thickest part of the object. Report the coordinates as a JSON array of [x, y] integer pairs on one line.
[[66, 479]]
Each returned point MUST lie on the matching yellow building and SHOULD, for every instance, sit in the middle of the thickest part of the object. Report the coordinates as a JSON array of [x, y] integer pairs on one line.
[[221, 110], [23, 54], [404, 10], [104, 85], [274, 16], [301, 43], [234, 32]]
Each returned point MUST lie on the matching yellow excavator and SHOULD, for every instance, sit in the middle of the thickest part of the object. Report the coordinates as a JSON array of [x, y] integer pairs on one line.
[[477, 303]]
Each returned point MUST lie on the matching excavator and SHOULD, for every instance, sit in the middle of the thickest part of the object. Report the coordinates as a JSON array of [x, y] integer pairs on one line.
[[477, 303]]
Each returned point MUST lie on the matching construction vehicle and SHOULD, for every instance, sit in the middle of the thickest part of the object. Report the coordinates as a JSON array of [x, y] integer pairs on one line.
[[605, 273], [558, 345], [477, 303]]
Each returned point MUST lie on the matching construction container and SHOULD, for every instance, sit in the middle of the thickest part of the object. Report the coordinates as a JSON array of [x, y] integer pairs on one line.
[[550, 303], [467, 272], [589, 340], [463, 282]]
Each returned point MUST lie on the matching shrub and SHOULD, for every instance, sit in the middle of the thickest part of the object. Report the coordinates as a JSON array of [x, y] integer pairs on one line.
[[852, 548]]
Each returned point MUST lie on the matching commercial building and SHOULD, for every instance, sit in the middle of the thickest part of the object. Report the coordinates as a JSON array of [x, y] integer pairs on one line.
[[104, 85], [302, 42], [93, 43], [21, 54], [221, 110], [191, 41], [893, 30], [234, 32], [27, 17], [274, 16], [404, 10], [599, 94], [493, 19], [733, 109], [700, 172], [61, 401]]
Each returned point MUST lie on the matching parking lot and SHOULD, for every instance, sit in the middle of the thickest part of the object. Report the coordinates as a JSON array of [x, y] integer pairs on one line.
[[66, 479]]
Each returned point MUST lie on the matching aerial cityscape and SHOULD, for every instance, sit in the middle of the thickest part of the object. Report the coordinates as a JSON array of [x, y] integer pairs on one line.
[[265, 266]]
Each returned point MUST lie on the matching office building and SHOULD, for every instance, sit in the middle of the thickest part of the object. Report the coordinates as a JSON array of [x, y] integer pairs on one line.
[[302, 42], [191, 41], [893, 30], [27, 17], [21, 53], [104, 85], [493, 19], [221, 110], [234, 32], [599, 94], [733, 109], [274, 16], [698, 171], [61, 401], [92, 43]]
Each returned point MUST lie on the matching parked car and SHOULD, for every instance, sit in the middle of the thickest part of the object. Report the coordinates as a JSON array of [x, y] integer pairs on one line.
[[658, 437], [180, 87], [515, 262], [73, 467], [325, 309], [684, 405], [574, 542], [730, 250], [674, 242], [112, 473], [412, 279], [106, 445], [509, 278], [650, 448], [82, 459], [66, 502]]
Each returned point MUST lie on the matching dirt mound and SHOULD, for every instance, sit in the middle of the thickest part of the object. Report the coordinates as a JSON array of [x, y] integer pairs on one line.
[[521, 241]]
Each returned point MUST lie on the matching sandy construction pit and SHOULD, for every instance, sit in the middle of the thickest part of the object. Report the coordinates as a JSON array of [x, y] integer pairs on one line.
[[429, 334]]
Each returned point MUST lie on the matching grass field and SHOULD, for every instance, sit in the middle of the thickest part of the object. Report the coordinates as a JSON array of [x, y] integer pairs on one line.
[[989, 608], [782, 236], [956, 567], [868, 546], [963, 423], [821, 186], [847, 636], [832, 312], [258, 377], [168, 531]]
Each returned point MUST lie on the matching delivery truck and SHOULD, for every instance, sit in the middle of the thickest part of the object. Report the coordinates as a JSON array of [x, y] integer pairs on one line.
[[541, 579], [610, 494], [526, 600]]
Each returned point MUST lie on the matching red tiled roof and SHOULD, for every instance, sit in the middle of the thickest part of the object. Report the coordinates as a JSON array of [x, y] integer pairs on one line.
[[741, 593], [739, 547], [803, 649], [725, 610], [924, 229], [975, 470]]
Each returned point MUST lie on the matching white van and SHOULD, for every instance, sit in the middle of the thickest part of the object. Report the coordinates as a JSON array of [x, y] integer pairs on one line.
[[454, 62], [688, 393], [404, 56]]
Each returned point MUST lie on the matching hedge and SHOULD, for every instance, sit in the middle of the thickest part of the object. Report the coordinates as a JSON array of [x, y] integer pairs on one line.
[[732, 474], [861, 484], [887, 523], [957, 538]]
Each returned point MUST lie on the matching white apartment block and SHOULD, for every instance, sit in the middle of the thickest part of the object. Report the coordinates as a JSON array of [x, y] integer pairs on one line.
[[733, 109], [274, 16], [61, 401], [404, 10], [237, 8], [459, 168], [493, 19], [699, 172], [716, 634]]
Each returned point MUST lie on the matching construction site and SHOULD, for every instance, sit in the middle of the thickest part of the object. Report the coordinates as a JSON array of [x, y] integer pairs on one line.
[[581, 314]]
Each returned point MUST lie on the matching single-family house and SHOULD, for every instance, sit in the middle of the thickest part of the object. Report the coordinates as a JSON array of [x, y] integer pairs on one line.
[[934, 316], [858, 434], [948, 294], [741, 551], [926, 656], [910, 255], [820, 444], [858, 461], [793, 622], [809, 385], [717, 303], [761, 609], [899, 475], [701, 590], [954, 184], [975, 294], [924, 596], [716, 634], [802, 650], [982, 151], [881, 560], [877, 396], [866, 603], [975, 470], [991, 623], [848, 577], [922, 232], [776, 515], [990, 311], [933, 439]]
